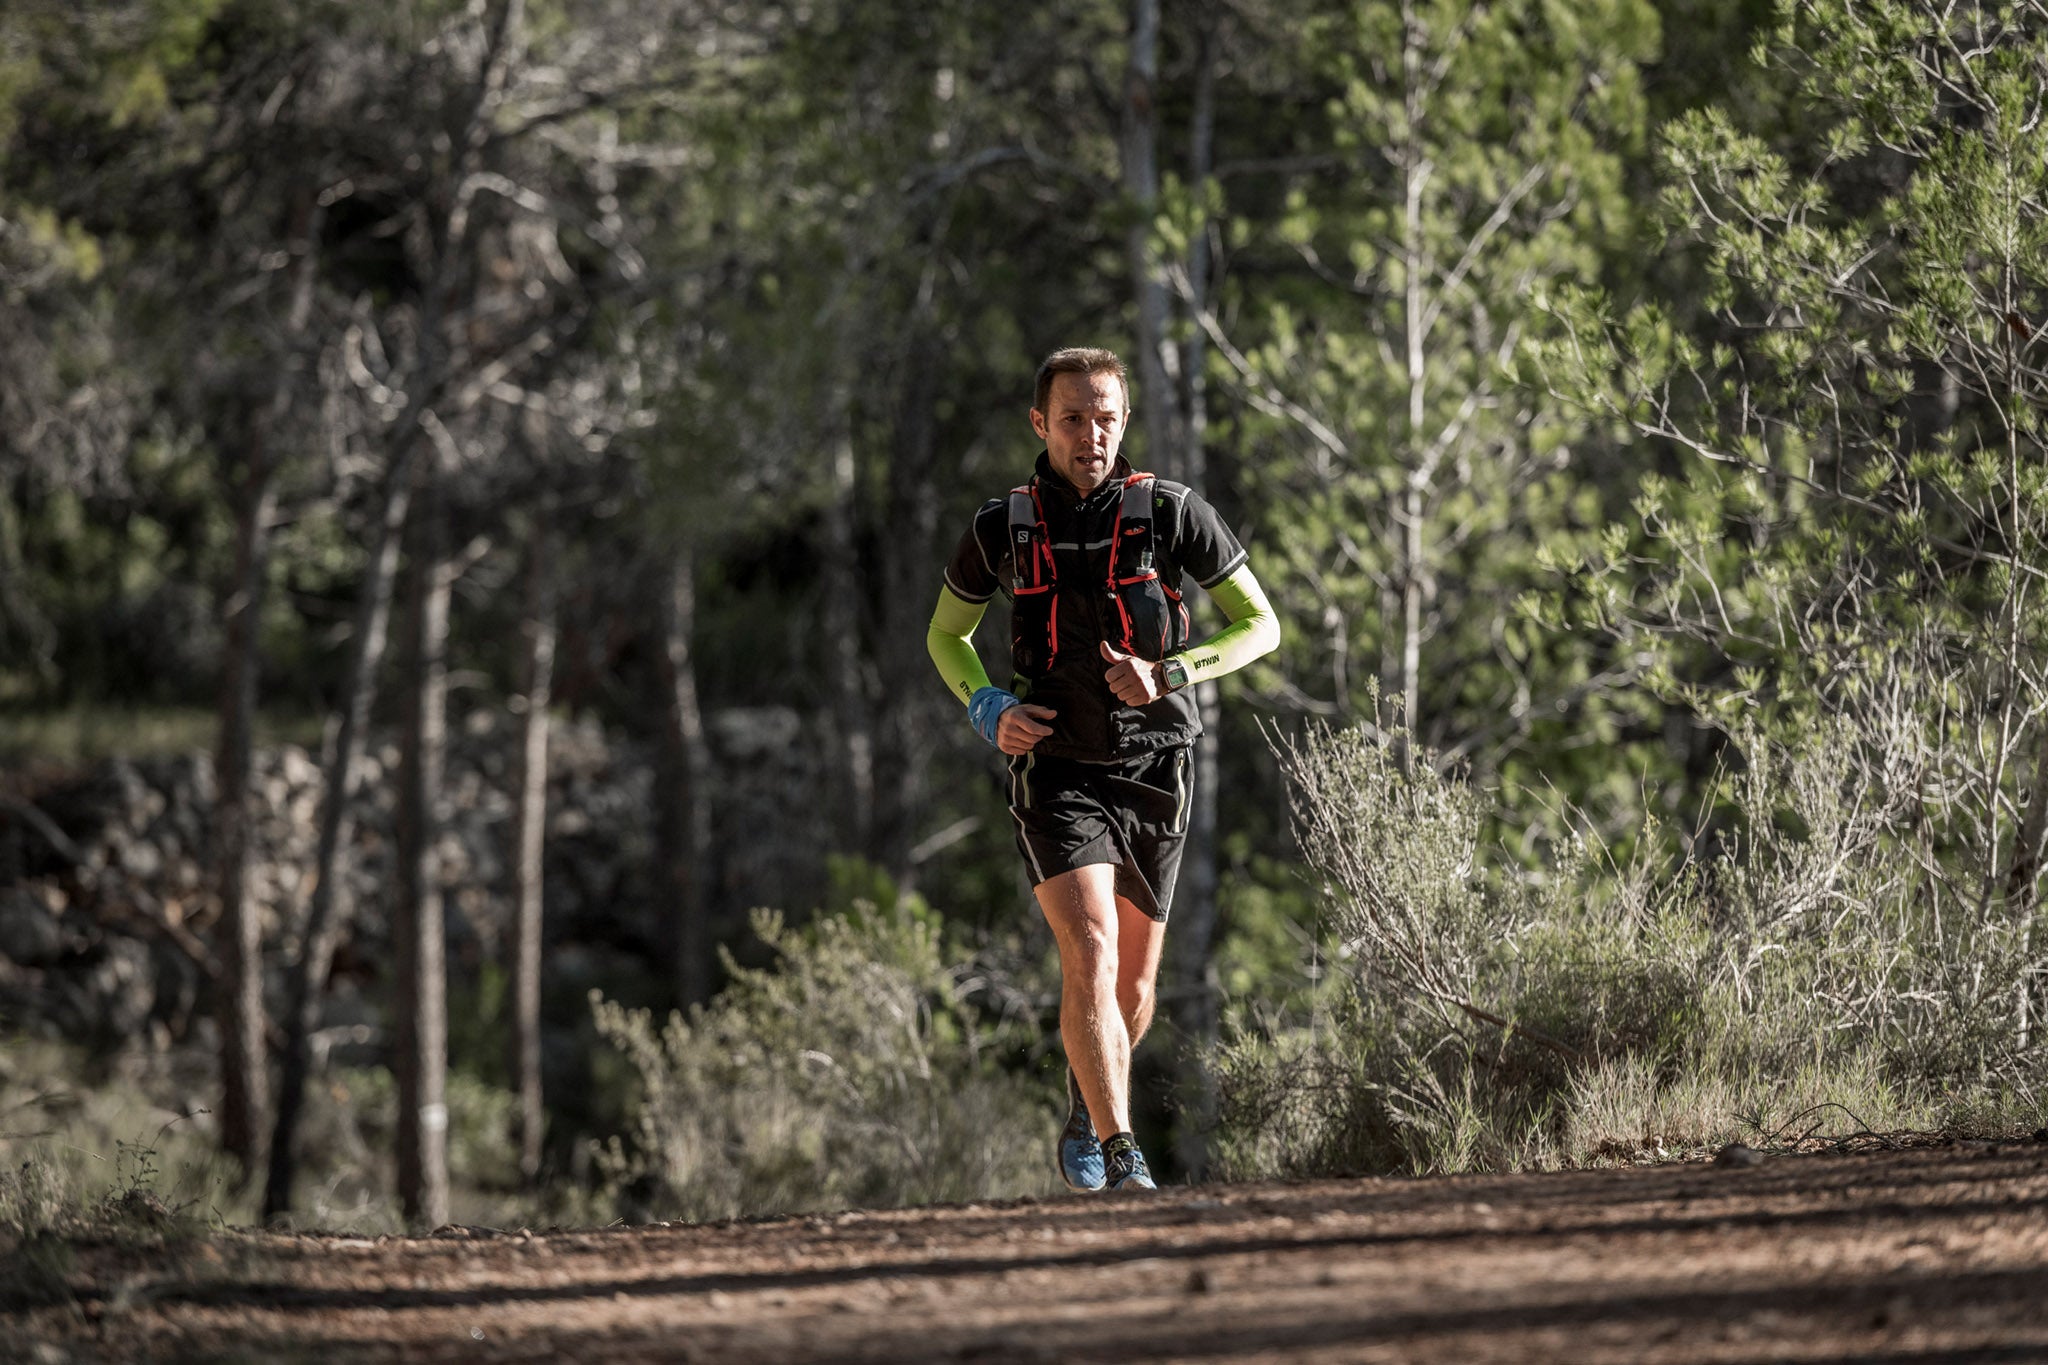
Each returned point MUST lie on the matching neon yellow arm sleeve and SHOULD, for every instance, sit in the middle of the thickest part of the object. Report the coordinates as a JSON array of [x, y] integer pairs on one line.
[[1253, 630], [950, 641]]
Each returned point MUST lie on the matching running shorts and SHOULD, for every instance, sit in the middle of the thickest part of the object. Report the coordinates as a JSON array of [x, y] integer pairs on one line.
[[1131, 813]]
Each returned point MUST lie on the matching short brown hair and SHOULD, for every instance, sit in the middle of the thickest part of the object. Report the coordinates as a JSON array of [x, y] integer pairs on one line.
[[1078, 360]]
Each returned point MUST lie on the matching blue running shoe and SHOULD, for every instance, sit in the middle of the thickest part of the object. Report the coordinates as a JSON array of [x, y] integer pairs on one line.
[[1124, 1165], [1080, 1152]]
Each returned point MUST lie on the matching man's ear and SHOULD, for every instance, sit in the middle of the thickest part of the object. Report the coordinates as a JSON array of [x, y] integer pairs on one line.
[[1038, 424]]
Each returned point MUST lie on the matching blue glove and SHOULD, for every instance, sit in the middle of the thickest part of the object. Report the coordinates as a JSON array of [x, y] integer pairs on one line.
[[986, 707]]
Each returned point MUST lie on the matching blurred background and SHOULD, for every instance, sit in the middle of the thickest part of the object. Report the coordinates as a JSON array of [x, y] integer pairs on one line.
[[474, 478]]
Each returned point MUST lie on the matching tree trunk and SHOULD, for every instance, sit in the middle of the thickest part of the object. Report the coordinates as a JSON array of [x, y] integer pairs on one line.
[[421, 1042], [1156, 397], [1192, 943], [1171, 402], [245, 1066], [1408, 516], [530, 833], [245, 1072], [329, 909], [907, 709], [841, 630], [686, 785]]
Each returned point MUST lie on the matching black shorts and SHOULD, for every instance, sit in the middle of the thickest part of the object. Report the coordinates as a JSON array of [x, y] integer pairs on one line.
[[1132, 813]]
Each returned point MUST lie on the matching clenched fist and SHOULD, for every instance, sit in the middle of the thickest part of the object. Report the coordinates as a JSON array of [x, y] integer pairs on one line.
[[1019, 731], [1135, 681]]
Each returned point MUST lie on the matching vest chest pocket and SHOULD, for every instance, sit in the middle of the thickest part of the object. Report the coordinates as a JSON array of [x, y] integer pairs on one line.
[[1144, 609]]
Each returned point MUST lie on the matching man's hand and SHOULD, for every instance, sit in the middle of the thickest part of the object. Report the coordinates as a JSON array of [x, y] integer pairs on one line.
[[1018, 732], [1135, 681]]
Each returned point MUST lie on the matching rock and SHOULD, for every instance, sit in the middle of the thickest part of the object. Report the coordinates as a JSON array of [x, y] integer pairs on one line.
[[1737, 1156], [299, 770], [752, 733], [142, 860], [30, 935], [106, 998], [123, 984]]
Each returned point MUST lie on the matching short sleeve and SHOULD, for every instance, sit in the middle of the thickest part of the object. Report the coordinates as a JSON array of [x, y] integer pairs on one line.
[[971, 572], [1206, 549]]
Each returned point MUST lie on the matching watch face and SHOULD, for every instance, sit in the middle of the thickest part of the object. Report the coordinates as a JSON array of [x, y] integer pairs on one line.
[[1176, 674]]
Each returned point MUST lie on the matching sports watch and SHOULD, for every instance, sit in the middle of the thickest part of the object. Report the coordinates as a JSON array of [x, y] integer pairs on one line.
[[1175, 671]]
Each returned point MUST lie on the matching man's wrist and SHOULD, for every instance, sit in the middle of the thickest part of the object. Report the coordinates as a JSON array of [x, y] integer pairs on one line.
[[1172, 673], [985, 710]]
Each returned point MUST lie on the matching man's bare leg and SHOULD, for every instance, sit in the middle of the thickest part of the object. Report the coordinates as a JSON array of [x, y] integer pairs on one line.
[[1109, 959], [1139, 941]]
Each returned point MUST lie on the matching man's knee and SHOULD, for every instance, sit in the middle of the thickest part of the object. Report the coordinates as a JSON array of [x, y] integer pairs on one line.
[[1088, 952], [1136, 996], [1082, 912]]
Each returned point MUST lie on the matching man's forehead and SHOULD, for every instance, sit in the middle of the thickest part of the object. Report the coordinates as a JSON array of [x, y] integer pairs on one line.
[[1100, 389]]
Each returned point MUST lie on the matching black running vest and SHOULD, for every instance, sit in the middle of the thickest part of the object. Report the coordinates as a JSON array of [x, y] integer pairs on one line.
[[1143, 615]]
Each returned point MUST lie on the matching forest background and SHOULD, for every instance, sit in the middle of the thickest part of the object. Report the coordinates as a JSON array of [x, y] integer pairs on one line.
[[1632, 408]]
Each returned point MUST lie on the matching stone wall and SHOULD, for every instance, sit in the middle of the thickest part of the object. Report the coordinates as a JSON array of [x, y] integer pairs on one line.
[[107, 923]]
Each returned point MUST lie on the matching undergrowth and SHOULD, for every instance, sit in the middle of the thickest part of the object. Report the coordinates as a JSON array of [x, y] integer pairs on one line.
[[849, 1073], [115, 1149], [1811, 974]]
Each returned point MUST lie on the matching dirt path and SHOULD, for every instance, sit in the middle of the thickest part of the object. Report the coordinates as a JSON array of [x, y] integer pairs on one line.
[[1929, 1255]]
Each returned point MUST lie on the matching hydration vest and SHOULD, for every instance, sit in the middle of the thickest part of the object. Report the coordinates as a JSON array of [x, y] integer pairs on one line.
[[1145, 616]]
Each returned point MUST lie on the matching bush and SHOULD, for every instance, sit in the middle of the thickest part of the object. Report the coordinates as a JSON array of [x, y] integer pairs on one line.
[[848, 1073], [1488, 1018]]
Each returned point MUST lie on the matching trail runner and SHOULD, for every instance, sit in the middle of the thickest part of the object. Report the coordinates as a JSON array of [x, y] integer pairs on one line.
[[1099, 720]]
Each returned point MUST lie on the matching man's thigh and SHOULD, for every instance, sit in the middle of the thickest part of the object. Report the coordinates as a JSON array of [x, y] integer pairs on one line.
[[1084, 903], [1130, 815]]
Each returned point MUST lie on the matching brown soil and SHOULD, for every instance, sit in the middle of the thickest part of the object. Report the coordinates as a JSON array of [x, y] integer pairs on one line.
[[1934, 1254]]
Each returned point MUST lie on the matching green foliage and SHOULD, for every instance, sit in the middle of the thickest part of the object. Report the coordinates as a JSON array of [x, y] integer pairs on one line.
[[847, 1074], [1409, 479], [1857, 518]]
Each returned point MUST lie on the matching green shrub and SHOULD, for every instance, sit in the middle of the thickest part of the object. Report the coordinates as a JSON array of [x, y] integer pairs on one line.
[[848, 1073]]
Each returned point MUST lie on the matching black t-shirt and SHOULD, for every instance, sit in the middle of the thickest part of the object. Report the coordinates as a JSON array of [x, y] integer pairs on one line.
[[1192, 543]]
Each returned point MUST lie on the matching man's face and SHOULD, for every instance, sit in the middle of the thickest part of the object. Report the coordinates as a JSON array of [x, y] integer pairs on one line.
[[1083, 427]]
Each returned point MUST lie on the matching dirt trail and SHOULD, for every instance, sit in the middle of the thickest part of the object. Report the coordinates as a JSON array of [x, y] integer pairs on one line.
[[1937, 1254]]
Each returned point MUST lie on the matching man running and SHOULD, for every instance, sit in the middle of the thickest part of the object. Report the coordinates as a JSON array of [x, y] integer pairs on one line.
[[1099, 720]]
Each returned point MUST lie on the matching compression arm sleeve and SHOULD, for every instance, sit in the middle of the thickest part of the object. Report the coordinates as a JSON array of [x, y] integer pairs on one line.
[[1253, 630], [950, 641]]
